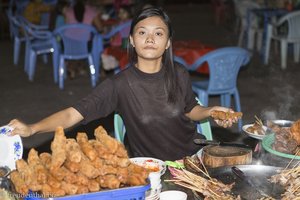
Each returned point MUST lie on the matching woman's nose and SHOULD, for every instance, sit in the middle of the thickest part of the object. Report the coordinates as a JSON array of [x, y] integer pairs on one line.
[[149, 39]]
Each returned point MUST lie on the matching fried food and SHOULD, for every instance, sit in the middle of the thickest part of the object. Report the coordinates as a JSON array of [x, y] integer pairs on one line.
[[87, 168], [256, 129], [58, 148], [72, 166], [19, 182], [109, 181], [110, 143], [78, 166], [49, 191], [37, 166], [73, 151], [226, 115], [28, 175], [46, 159], [85, 146]]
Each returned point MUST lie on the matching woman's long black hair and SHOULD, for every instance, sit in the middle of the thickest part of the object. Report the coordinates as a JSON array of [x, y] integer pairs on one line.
[[167, 58]]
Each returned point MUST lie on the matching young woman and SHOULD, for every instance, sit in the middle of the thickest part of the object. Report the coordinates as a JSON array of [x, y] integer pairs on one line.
[[154, 96]]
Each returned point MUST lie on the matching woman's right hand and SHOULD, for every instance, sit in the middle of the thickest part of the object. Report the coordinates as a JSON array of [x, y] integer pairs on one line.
[[20, 128]]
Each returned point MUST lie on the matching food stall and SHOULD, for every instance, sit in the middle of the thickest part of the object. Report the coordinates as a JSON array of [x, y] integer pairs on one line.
[[230, 171]]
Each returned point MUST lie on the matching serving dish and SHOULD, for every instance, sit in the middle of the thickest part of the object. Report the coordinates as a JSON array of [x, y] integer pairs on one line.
[[253, 135], [282, 122], [267, 143], [11, 148], [150, 163]]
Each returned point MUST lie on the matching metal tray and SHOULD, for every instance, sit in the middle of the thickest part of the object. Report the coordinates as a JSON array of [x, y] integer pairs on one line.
[[259, 174]]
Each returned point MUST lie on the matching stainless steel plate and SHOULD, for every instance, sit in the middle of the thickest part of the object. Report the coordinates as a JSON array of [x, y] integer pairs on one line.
[[283, 122], [259, 174]]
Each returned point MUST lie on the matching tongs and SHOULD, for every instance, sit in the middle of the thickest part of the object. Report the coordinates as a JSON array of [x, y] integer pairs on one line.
[[214, 142]]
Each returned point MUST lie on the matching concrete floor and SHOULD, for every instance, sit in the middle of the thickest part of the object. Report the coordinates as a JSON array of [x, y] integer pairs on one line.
[[265, 91]]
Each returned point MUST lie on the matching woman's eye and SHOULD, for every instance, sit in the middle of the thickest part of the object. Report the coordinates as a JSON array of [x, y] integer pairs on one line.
[[141, 32], [159, 34]]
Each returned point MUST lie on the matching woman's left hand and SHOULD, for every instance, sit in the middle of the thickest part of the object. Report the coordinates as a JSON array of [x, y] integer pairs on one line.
[[223, 116]]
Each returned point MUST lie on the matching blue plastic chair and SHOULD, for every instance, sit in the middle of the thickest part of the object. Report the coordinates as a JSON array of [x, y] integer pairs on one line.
[[18, 38], [122, 28], [79, 41], [39, 41], [224, 65]]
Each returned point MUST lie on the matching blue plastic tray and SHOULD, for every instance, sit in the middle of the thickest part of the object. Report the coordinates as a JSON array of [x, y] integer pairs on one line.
[[128, 193]]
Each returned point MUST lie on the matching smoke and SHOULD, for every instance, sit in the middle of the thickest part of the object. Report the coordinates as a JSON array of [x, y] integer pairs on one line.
[[284, 97]]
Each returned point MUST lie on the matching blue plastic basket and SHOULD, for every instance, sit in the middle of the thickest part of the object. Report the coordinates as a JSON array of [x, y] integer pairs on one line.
[[128, 193]]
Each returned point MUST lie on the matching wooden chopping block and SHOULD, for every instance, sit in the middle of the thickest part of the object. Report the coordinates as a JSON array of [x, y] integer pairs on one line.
[[217, 156]]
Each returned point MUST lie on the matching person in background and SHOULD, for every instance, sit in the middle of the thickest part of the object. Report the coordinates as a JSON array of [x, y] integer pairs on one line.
[[79, 12], [57, 18], [153, 95], [124, 15], [34, 10]]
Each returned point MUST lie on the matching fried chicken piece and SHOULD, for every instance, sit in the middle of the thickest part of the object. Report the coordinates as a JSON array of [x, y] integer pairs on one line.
[[58, 148], [64, 174], [46, 159], [225, 115], [49, 191], [85, 146], [101, 150], [108, 169], [82, 189], [137, 175], [116, 161], [122, 174], [28, 175], [109, 142], [135, 180], [121, 151], [72, 166], [109, 181], [69, 188], [98, 163], [37, 166], [93, 185], [73, 151], [53, 182], [82, 179], [19, 182], [87, 168]]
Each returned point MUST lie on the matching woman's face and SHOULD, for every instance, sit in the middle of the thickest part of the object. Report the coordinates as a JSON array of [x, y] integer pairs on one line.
[[150, 38]]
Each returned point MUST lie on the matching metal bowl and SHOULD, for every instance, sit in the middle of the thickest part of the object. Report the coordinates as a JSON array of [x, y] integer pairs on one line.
[[4, 171], [282, 122]]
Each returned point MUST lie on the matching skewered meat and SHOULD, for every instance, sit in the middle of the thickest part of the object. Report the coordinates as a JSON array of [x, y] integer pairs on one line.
[[192, 164]]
